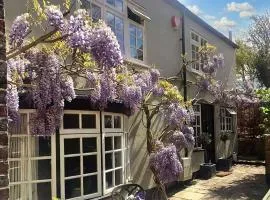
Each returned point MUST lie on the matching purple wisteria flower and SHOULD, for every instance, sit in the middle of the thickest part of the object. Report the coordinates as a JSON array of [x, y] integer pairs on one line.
[[55, 16], [176, 115], [19, 30], [166, 164], [178, 139], [105, 48], [155, 74], [131, 96]]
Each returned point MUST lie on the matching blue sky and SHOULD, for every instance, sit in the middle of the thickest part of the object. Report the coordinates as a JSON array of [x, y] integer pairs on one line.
[[227, 15]]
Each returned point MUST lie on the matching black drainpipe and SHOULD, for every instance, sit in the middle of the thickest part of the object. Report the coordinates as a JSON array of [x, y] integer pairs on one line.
[[184, 52]]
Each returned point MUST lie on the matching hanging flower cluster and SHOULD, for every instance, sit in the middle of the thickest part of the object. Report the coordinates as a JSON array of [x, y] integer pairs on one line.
[[166, 163]]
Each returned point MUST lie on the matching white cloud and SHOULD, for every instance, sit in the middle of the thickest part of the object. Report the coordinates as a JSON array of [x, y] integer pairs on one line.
[[209, 17], [195, 9], [244, 9], [224, 23]]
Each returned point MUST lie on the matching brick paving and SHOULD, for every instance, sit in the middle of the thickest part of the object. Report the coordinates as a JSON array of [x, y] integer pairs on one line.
[[246, 182]]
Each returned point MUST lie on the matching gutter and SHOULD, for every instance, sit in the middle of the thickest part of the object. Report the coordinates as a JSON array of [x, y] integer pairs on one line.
[[184, 52]]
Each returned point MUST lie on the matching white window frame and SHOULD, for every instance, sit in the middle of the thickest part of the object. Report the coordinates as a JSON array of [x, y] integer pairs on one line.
[[29, 182], [112, 130], [144, 41], [197, 44], [81, 155], [197, 125], [226, 121]]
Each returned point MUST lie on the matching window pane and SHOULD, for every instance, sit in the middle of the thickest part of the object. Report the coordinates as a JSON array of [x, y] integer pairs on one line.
[[118, 159], [88, 121], [41, 191], [119, 24], [118, 177], [18, 170], [18, 191], [117, 142], [108, 121], [108, 161], [139, 33], [41, 169], [110, 20], [108, 143], [140, 54], [73, 188], [71, 121], [132, 30], [133, 53], [109, 180], [90, 184], [18, 147], [198, 120], [119, 4], [41, 146], [72, 146], [117, 122], [89, 164], [85, 4], [111, 2], [96, 13], [89, 145], [72, 166], [132, 41]]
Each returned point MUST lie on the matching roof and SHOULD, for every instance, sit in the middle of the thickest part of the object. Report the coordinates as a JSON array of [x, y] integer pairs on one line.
[[201, 22]]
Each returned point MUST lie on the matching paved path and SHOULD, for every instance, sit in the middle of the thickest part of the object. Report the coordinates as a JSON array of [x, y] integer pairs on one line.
[[246, 182]]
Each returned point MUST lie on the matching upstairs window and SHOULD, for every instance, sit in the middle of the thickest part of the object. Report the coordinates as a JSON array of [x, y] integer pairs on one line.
[[118, 4], [195, 57], [94, 10], [117, 26], [136, 42], [225, 120]]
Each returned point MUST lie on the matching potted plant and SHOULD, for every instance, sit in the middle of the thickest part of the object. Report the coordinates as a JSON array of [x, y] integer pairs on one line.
[[224, 164], [207, 169]]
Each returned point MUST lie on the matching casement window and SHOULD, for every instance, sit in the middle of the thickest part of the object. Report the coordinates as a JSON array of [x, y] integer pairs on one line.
[[196, 42], [31, 162], [197, 125], [85, 160], [225, 120], [136, 41], [117, 25]]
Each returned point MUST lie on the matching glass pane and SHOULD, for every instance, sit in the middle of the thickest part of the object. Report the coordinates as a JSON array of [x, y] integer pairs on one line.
[[111, 2], [198, 131], [90, 184], [139, 33], [133, 53], [40, 146], [119, 4], [73, 188], [108, 143], [117, 142], [139, 44], [18, 147], [96, 13], [118, 159], [108, 121], [110, 20], [140, 54], [132, 30], [71, 121], [108, 161], [117, 122], [19, 128], [85, 4], [133, 41], [89, 164], [17, 191], [109, 180], [41, 191], [72, 146], [198, 120], [89, 145], [88, 121], [118, 177], [18, 170], [119, 24], [72, 166], [41, 169]]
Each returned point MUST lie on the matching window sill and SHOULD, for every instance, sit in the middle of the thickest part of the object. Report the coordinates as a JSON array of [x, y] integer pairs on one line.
[[199, 149], [197, 72], [136, 63]]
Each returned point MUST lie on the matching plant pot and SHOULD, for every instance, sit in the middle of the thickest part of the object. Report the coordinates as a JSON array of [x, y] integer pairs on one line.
[[207, 170], [224, 164]]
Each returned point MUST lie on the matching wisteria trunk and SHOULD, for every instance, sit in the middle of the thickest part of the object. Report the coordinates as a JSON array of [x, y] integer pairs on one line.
[[150, 149]]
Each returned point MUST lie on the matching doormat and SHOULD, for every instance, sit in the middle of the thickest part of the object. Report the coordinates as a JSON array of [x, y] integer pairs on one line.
[[222, 174]]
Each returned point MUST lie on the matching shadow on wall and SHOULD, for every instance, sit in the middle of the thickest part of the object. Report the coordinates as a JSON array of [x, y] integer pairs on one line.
[[139, 159], [252, 187], [226, 149]]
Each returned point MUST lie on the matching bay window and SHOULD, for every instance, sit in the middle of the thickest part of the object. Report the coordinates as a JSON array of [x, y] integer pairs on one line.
[[118, 4]]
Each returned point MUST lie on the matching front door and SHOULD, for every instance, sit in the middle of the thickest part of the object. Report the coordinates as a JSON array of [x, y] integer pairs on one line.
[[207, 112]]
